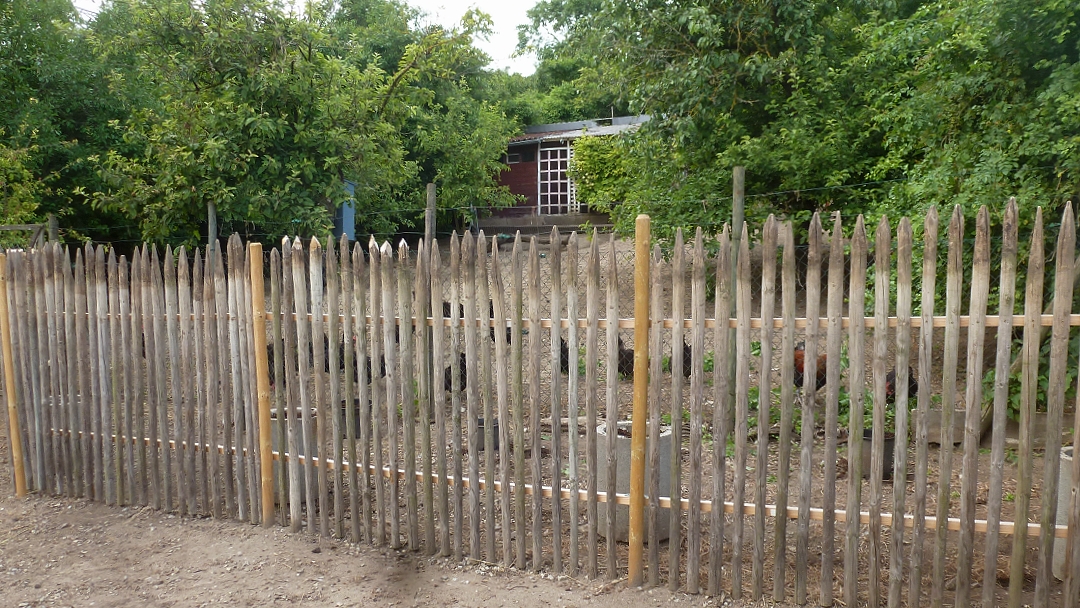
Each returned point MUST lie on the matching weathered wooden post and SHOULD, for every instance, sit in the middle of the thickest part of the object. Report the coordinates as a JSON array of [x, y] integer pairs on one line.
[[15, 434], [641, 388], [262, 379]]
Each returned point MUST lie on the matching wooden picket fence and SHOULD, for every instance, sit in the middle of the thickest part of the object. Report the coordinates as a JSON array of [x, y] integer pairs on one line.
[[179, 383]]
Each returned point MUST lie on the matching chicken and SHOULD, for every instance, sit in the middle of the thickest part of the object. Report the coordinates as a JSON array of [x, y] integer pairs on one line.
[[890, 386], [448, 374], [800, 354], [687, 359], [626, 360]]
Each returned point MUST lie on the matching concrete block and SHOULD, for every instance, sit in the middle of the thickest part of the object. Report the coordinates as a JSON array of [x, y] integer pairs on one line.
[[622, 481]]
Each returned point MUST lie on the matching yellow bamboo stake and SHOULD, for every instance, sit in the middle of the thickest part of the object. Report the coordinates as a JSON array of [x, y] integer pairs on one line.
[[9, 386], [262, 379], [641, 389]]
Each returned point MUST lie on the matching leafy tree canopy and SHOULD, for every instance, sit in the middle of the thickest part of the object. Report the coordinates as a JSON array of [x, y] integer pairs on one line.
[[136, 123], [875, 108]]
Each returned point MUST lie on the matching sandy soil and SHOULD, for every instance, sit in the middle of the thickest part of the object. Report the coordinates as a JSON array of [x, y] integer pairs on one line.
[[62, 552]]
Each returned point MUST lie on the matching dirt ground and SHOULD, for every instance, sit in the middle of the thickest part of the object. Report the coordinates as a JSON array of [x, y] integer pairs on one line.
[[64, 552]]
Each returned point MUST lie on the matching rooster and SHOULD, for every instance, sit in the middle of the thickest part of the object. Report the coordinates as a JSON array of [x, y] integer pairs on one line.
[[890, 385], [687, 359], [800, 354], [448, 374], [626, 360]]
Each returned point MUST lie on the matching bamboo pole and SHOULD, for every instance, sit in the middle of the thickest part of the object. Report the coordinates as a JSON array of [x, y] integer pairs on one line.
[[9, 385], [262, 377], [641, 387]]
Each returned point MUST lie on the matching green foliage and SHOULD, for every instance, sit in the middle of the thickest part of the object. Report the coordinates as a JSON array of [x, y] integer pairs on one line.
[[834, 106], [249, 116], [54, 112], [134, 124], [20, 191], [1042, 380]]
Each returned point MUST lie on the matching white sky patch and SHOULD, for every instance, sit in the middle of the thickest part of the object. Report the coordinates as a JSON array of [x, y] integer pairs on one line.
[[500, 45]]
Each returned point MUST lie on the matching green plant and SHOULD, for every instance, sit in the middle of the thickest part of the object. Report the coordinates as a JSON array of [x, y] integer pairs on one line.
[[1010, 455], [1042, 382]]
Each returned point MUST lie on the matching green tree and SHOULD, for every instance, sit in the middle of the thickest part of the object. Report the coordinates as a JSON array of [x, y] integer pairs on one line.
[[249, 115], [874, 109], [54, 111], [456, 128]]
